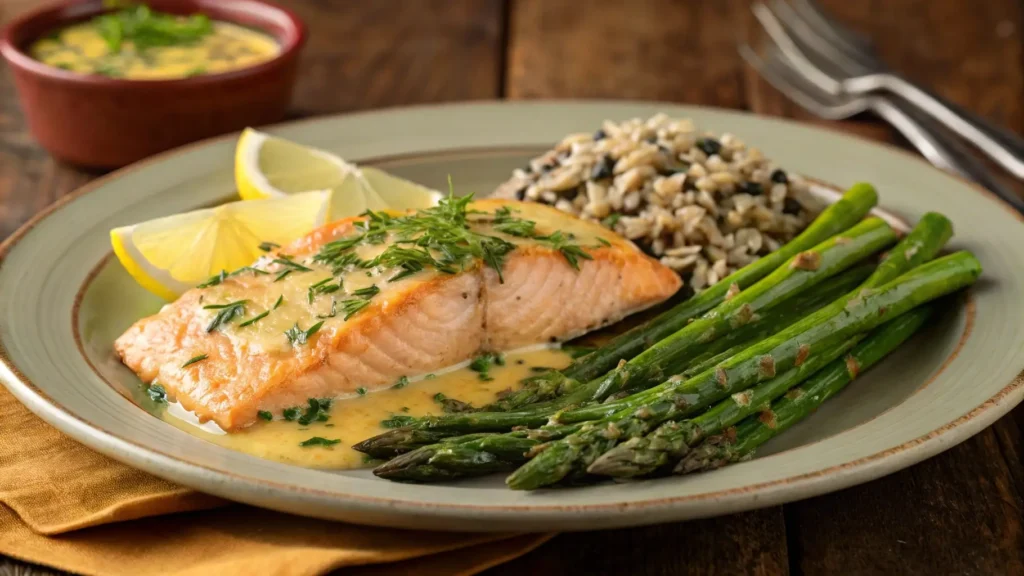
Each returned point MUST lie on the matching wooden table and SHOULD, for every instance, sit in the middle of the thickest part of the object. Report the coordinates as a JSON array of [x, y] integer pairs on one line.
[[958, 513]]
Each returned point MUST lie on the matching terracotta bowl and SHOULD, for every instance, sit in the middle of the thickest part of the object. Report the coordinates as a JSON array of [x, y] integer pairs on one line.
[[103, 122]]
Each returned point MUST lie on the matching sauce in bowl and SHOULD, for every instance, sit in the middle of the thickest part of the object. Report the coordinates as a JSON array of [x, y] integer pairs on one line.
[[139, 44]]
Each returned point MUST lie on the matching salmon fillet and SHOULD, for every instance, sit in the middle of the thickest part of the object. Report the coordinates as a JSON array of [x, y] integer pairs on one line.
[[416, 325]]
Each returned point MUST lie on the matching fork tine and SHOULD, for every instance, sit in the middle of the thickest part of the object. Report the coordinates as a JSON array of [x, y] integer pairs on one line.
[[796, 58], [852, 43], [777, 72], [814, 45]]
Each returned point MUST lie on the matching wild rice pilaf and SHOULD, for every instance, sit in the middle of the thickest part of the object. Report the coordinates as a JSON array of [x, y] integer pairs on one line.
[[704, 204]]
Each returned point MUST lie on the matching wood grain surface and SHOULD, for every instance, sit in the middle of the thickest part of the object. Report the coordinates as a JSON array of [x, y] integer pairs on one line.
[[957, 513]]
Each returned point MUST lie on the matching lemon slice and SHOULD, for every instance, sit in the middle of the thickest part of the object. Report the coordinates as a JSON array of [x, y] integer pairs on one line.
[[170, 255], [270, 167]]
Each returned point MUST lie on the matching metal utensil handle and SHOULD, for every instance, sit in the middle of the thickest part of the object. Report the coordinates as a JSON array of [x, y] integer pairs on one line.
[[952, 120], [943, 149]]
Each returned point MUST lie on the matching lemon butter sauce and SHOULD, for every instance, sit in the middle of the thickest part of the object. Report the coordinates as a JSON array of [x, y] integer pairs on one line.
[[139, 44], [354, 419]]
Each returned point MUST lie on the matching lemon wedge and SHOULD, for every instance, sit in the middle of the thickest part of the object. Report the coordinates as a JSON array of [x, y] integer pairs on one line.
[[271, 167], [170, 255]]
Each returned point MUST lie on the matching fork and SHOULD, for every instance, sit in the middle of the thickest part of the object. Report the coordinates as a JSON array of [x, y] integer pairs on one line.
[[780, 74], [875, 81], [854, 46], [935, 144]]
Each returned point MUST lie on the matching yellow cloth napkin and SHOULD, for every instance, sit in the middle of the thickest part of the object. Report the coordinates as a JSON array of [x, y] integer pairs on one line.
[[68, 507]]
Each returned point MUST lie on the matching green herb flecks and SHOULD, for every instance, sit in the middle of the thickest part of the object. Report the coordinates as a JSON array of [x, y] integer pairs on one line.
[[289, 264], [265, 415], [145, 28], [482, 364], [402, 382], [268, 246], [224, 275], [195, 359], [322, 287], [397, 421], [255, 319], [319, 441], [225, 313], [361, 391], [280, 300], [157, 393], [292, 414], [571, 251], [297, 336], [318, 411]]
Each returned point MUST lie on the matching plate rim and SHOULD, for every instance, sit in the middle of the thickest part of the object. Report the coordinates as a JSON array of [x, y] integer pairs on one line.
[[771, 492]]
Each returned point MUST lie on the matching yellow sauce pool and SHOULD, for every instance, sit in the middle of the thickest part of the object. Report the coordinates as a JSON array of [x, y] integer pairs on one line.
[[80, 48], [359, 418]]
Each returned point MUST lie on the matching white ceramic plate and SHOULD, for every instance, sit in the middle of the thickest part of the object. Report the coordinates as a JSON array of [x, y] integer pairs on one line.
[[63, 300]]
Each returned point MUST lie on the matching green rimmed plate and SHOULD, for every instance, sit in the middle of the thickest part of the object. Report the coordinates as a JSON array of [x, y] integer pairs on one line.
[[63, 300]]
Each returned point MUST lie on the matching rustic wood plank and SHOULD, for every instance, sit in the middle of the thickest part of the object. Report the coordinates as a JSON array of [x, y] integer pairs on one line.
[[750, 543], [649, 49], [958, 513]]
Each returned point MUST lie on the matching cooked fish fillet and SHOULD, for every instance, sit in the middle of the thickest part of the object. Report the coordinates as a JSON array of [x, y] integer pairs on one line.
[[419, 324]]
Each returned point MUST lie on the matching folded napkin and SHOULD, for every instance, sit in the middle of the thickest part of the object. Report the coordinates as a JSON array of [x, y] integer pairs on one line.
[[68, 507]]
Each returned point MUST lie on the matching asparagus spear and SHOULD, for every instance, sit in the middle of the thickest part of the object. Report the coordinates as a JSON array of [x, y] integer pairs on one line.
[[740, 442], [677, 400], [795, 345], [670, 355], [405, 439], [838, 217], [671, 441]]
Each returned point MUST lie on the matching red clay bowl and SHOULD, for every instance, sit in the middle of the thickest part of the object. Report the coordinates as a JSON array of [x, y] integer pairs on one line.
[[104, 122]]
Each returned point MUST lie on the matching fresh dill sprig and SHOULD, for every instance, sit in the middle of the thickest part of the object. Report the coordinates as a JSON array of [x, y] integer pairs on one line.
[[297, 336], [226, 313], [322, 287], [195, 359], [255, 319], [571, 251]]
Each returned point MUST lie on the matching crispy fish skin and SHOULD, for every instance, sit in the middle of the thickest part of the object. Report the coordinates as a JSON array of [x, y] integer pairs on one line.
[[412, 327]]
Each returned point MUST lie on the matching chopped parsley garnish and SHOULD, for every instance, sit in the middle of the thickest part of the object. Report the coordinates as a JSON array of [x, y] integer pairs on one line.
[[268, 246], [255, 319], [226, 313], [439, 397], [402, 382], [430, 376], [318, 411], [319, 441], [157, 393], [292, 414], [482, 364], [264, 415], [145, 28], [195, 359], [361, 391], [297, 336]]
